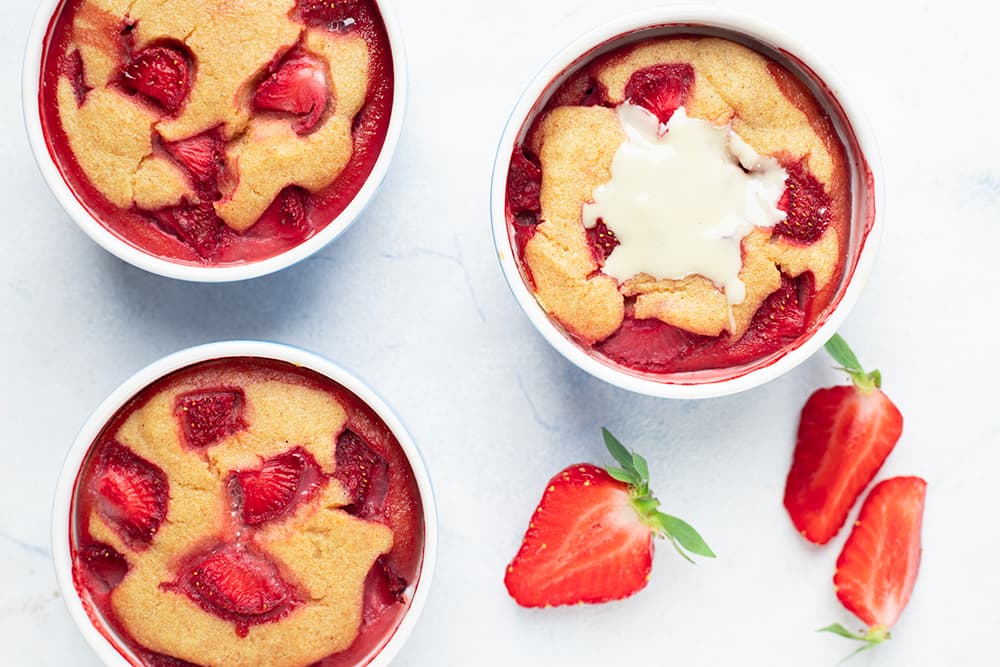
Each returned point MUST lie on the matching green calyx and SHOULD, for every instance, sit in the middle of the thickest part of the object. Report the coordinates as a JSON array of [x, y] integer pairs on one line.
[[871, 637], [865, 382], [634, 471]]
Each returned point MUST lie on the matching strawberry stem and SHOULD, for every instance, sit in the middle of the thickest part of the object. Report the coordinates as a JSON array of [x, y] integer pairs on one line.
[[634, 472], [871, 637], [841, 352]]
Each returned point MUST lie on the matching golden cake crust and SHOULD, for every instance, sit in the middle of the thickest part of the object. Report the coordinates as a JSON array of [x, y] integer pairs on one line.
[[322, 550], [576, 146], [114, 136]]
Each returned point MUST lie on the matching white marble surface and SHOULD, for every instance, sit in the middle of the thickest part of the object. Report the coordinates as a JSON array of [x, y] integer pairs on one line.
[[412, 298]]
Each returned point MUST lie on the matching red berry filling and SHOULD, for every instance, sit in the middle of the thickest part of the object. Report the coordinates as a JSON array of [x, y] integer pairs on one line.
[[161, 74], [383, 589], [661, 89], [272, 491], [602, 241], [72, 67], [238, 585], [297, 86], [649, 345], [132, 494], [327, 11], [203, 157], [807, 205], [196, 225], [286, 218], [208, 417], [104, 566], [524, 185], [363, 472]]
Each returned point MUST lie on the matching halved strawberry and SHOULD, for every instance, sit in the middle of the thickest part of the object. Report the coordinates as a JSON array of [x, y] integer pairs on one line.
[[384, 588], [286, 218], [298, 86], [878, 567], [273, 490], [845, 434], [363, 472], [524, 185], [649, 345], [237, 585], [590, 539], [197, 225], [161, 73], [660, 89], [207, 416], [202, 155], [327, 11], [602, 241], [132, 494], [806, 203], [104, 566]]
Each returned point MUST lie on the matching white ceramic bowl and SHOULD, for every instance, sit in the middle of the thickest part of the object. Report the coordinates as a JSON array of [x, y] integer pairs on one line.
[[95, 631], [866, 190], [30, 82]]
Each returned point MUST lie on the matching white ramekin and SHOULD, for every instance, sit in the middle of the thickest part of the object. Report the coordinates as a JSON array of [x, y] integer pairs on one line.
[[866, 188], [94, 630], [30, 83]]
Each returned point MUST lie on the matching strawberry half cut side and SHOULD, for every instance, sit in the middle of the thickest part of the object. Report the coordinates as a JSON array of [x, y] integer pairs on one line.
[[590, 540], [845, 434], [161, 74], [806, 204], [272, 491], [238, 585], [209, 416], [198, 226], [298, 86], [132, 494], [878, 568], [202, 155], [661, 89]]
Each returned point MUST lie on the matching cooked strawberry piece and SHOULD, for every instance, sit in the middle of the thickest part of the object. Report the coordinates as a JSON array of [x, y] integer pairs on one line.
[[71, 66], [878, 567], [383, 589], [196, 225], [298, 86], [202, 156], [272, 491], [286, 218], [237, 585], [132, 494], [524, 185], [363, 472], [602, 241], [661, 89], [845, 434], [807, 206], [590, 539], [327, 11], [649, 345], [160, 660], [161, 73], [103, 565], [209, 416]]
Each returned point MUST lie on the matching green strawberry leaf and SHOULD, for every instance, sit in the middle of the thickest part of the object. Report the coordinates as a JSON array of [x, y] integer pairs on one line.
[[841, 352], [618, 451], [640, 466], [686, 535], [679, 549], [871, 638], [838, 629], [623, 476]]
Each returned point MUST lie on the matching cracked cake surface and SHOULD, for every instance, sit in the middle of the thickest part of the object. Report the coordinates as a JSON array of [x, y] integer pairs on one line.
[[199, 152], [243, 513], [567, 153]]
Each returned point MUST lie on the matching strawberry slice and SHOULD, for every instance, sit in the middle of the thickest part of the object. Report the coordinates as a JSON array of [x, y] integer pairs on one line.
[[845, 434], [209, 416], [384, 588], [524, 185], [661, 89], [807, 206], [286, 218], [602, 241], [202, 155], [270, 492], [878, 567], [591, 538], [328, 11], [298, 86], [239, 586], [363, 472], [160, 73], [649, 345], [104, 566], [196, 225], [132, 494]]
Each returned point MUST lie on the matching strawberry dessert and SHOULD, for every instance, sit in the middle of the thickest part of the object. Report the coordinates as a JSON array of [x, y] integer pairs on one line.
[[681, 204], [246, 512], [202, 150]]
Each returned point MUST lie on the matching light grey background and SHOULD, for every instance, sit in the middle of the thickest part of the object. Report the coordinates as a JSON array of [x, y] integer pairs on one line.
[[412, 298]]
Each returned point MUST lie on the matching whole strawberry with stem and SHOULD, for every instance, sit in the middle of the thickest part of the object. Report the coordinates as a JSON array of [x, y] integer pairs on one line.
[[590, 539], [845, 434], [878, 567]]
